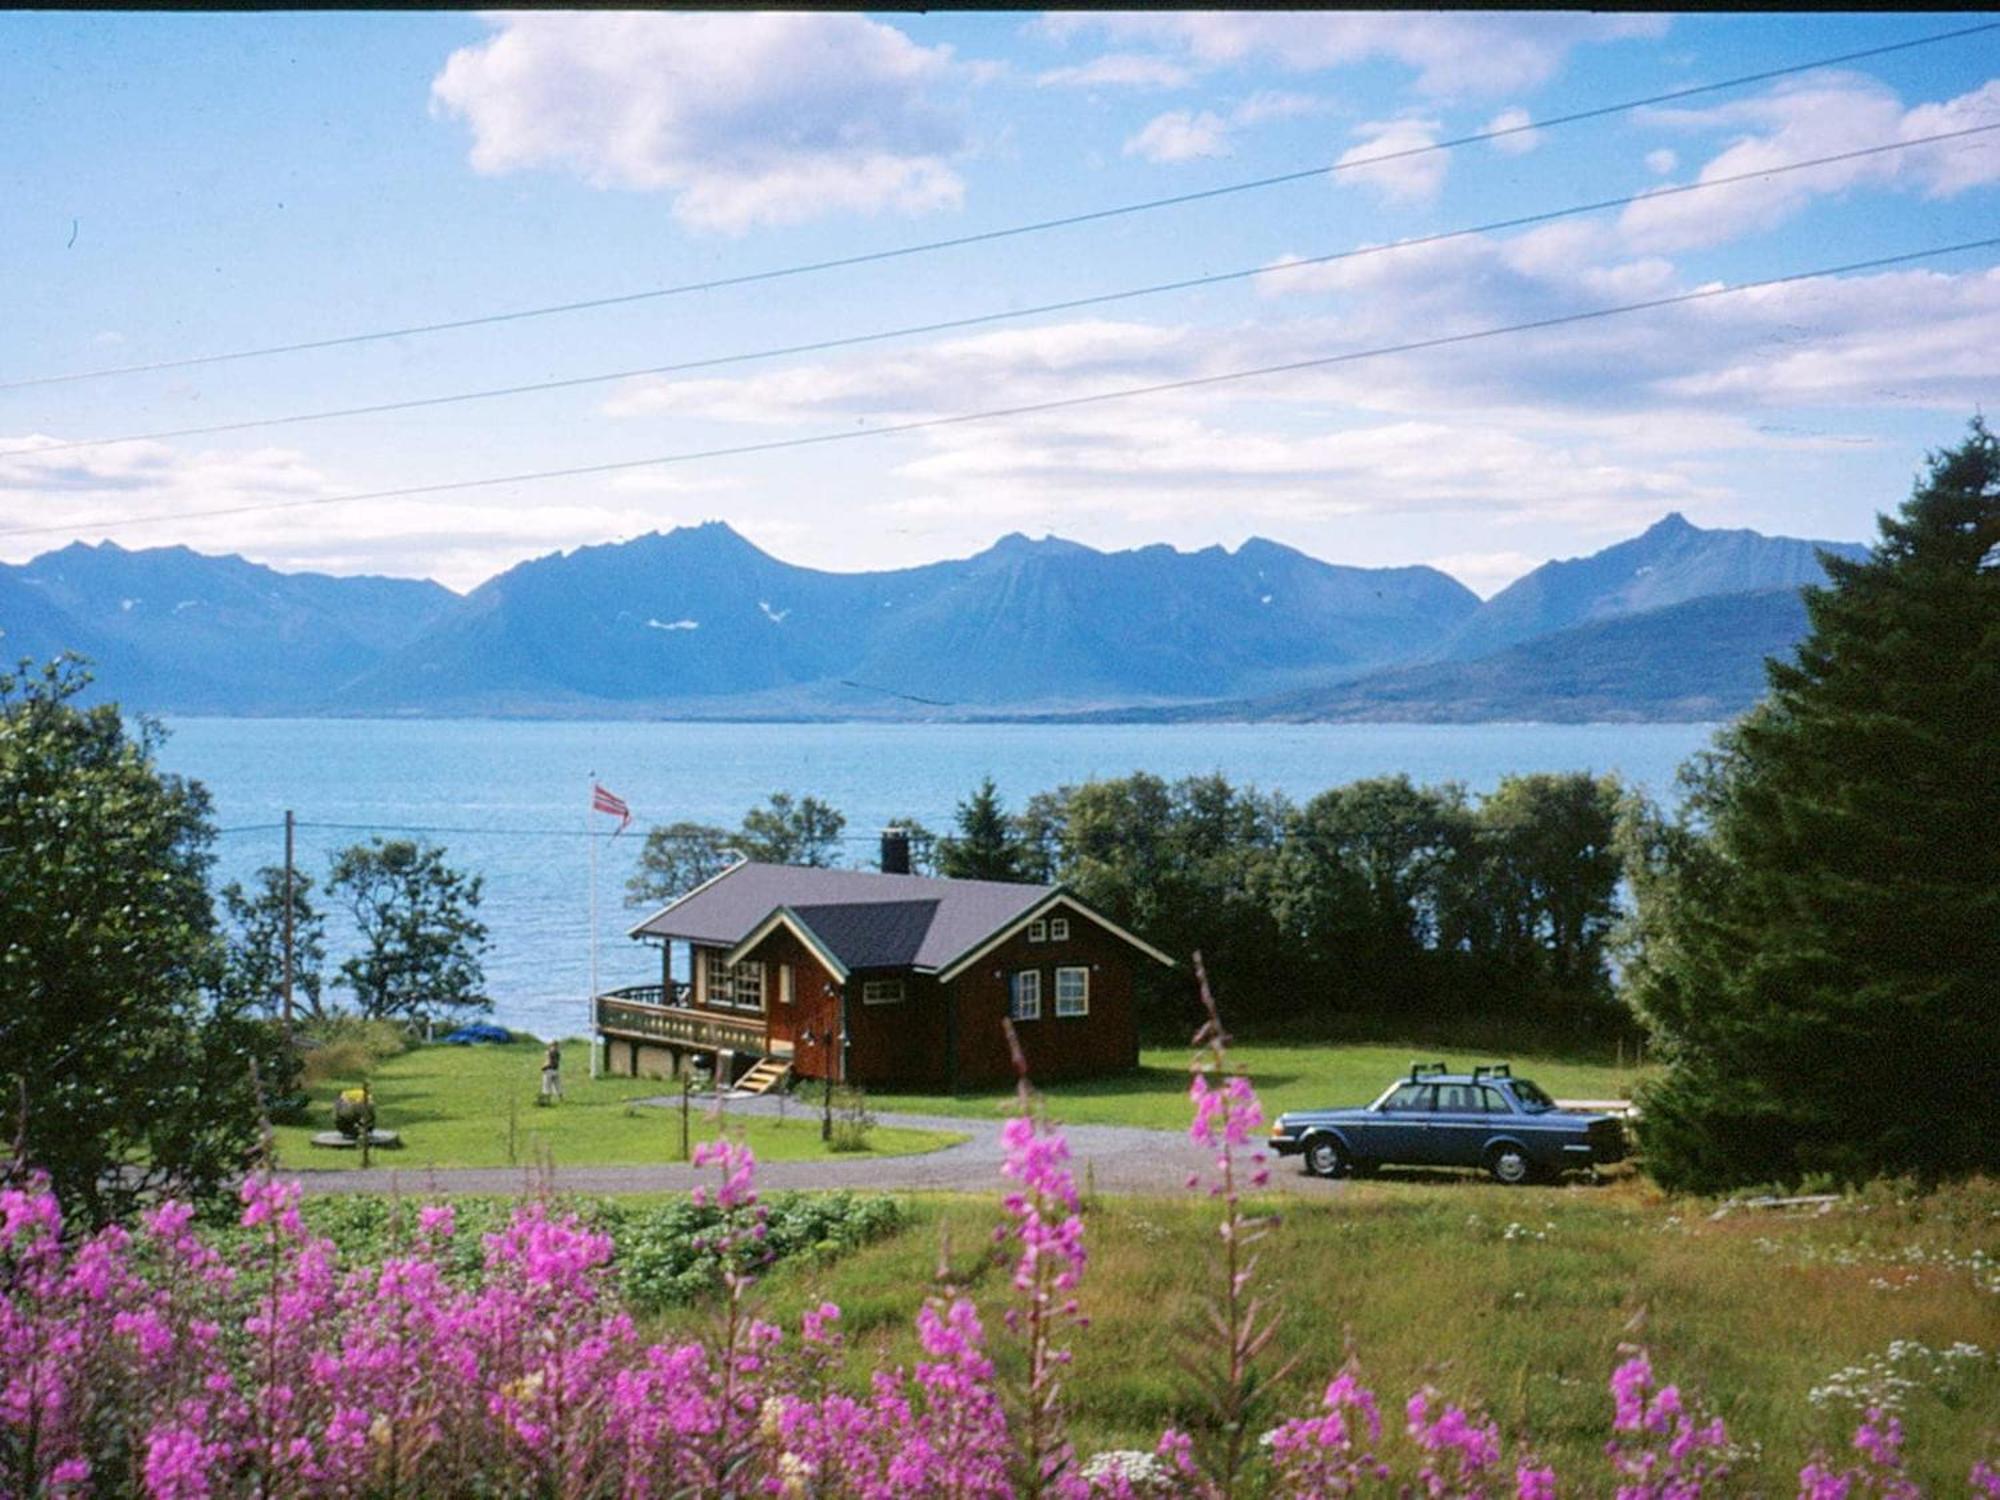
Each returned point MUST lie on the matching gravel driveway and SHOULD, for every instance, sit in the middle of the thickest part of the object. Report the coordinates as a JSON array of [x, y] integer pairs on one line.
[[1110, 1158]]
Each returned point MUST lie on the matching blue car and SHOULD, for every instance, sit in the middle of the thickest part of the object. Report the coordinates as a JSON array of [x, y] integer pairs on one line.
[[1486, 1118]]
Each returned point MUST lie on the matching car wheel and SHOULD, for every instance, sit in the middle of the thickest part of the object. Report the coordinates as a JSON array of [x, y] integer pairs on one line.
[[1510, 1165], [1324, 1158]]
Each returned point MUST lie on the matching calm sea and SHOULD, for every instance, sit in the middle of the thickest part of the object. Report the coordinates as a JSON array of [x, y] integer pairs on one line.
[[509, 799]]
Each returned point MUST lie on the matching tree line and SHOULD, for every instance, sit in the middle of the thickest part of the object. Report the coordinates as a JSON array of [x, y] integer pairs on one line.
[[1379, 899]]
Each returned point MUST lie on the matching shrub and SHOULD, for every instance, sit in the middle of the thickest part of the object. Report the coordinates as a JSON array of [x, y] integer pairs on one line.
[[851, 1120], [344, 1046]]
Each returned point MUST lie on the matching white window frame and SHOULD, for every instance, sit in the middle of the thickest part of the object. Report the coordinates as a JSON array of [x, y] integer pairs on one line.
[[1058, 929], [1079, 1003], [1024, 995], [1038, 931], [784, 984], [882, 992], [726, 983]]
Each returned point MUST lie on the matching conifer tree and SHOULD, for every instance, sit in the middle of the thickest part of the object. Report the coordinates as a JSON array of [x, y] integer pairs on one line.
[[1819, 947], [986, 847]]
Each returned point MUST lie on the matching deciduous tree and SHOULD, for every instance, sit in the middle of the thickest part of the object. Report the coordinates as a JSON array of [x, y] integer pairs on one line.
[[421, 938], [676, 858], [788, 831], [122, 1073], [254, 955]]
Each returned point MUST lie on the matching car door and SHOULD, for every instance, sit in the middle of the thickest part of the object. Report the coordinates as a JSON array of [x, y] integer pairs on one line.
[[1458, 1126], [1400, 1133]]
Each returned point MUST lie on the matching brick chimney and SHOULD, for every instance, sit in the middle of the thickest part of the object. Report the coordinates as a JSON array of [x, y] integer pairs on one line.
[[895, 851]]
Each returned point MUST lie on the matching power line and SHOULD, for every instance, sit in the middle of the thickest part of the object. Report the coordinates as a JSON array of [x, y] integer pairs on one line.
[[872, 257], [1191, 283], [778, 445], [392, 826]]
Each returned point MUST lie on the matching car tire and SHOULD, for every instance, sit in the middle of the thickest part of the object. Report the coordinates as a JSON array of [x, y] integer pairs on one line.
[[1510, 1166], [1327, 1158]]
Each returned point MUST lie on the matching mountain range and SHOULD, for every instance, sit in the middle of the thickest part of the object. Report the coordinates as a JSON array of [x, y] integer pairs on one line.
[[698, 622]]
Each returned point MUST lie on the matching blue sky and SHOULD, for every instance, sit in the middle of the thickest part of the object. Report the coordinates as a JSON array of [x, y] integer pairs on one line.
[[183, 185]]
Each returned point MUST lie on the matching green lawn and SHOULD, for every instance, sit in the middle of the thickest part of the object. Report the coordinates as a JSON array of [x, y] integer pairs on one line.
[[1517, 1298], [476, 1107], [1288, 1075]]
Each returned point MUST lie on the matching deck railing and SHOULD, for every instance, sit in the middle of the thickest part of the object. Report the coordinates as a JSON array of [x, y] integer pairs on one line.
[[638, 1010]]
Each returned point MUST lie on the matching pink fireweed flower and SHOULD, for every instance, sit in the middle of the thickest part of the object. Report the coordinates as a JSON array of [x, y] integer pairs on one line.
[[1879, 1440], [739, 1171], [1984, 1480], [1534, 1481], [816, 1323], [1332, 1453], [266, 1198], [1224, 1116], [1695, 1453], [1460, 1448]]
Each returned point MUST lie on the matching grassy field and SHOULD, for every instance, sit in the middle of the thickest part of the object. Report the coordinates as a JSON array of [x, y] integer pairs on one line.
[[1288, 1075], [476, 1107], [1515, 1298]]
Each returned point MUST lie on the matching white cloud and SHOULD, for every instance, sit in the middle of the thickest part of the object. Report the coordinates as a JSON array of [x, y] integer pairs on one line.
[[152, 488], [1119, 70], [1180, 135], [1452, 52], [745, 118], [1662, 161], [1485, 573], [1519, 140], [1184, 135], [1823, 115], [1402, 179]]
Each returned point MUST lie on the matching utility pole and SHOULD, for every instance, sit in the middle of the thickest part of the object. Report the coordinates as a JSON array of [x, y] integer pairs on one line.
[[289, 825]]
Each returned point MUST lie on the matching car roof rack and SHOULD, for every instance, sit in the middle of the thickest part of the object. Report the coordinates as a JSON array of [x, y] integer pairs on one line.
[[1492, 1070], [1426, 1070]]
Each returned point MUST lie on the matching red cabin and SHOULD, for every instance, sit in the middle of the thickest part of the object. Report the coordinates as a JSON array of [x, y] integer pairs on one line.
[[879, 979]]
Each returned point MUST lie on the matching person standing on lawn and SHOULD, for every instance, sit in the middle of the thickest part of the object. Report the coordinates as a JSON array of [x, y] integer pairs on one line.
[[552, 1074]]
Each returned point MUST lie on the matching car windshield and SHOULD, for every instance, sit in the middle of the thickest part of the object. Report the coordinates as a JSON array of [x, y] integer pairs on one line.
[[1531, 1096]]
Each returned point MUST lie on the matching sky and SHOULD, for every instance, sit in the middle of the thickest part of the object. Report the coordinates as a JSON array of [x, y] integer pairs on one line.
[[176, 187]]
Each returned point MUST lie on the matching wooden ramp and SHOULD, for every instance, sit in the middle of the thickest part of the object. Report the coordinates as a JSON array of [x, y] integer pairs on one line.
[[766, 1075]]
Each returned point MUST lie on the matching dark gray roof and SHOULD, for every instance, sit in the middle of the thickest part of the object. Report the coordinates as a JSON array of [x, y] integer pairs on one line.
[[960, 913], [871, 934]]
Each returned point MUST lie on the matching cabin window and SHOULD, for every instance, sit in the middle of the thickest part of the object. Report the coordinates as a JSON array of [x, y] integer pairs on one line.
[[1073, 991], [881, 992], [784, 984], [1038, 932], [734, 986], [1024, 995], [1058, 932]]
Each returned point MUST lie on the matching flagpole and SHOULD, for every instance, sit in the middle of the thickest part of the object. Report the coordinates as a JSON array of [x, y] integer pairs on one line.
[[590, 837]]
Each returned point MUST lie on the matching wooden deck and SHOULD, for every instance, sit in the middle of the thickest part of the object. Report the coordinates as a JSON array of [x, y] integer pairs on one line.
[[647, 1013]]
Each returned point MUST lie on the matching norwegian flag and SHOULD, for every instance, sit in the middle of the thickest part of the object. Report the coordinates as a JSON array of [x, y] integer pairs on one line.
[[608, 802]]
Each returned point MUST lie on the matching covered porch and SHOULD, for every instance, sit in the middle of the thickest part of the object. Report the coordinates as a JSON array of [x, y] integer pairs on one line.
[[655, 1030]]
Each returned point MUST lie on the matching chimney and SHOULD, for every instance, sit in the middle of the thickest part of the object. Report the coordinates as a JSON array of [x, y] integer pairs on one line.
[[895, 851]]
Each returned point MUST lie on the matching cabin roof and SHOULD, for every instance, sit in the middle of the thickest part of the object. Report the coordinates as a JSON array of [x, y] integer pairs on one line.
[[868, 920]]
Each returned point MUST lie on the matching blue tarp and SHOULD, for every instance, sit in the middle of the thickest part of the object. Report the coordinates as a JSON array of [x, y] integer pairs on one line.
[[466, 1036]]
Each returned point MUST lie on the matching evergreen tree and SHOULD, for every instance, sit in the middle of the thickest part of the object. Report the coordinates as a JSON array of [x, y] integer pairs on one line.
[[1819, 936], [986, 846]]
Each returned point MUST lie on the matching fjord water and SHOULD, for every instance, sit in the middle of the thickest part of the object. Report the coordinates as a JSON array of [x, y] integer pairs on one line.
[[509, 799]]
